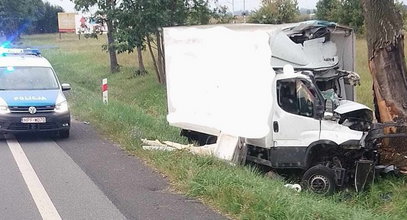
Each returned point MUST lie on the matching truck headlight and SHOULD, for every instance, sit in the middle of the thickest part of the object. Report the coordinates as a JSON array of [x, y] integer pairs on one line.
[[3, 107], [61, 104]]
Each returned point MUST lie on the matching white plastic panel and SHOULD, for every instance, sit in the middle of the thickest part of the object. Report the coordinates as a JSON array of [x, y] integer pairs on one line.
[[219, 79]]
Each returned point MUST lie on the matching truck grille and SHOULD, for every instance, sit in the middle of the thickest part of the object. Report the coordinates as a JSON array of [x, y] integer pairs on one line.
[[27, 127], [24, 109]]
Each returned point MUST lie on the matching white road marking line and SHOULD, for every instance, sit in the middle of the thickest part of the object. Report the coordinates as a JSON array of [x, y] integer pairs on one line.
[[37, 190]]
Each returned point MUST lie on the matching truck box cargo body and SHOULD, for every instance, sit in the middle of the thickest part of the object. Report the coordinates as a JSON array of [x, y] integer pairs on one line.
[[213, 81], [262, 83]]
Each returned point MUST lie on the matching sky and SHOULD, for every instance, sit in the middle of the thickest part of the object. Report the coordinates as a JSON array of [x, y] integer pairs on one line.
[[238, 5]]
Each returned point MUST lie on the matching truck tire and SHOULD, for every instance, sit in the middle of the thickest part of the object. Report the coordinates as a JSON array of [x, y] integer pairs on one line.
[[319, 179]]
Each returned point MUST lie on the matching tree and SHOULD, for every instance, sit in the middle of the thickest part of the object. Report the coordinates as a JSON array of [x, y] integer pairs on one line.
[[133, 28], [182, 12], [276, 12], [107, 10], [166, 13], [48, 23], [36, 12], [222, 15], [328, 10], [18, 16], [388, 69], [346, 12], [27, 16], [140, 22], [199, 12], [351, 14]]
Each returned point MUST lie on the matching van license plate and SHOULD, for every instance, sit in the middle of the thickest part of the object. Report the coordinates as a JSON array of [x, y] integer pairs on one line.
[[33, 120]]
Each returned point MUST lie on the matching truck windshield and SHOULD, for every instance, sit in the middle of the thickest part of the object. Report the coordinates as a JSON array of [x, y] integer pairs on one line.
[[306, 99], [27, 78]]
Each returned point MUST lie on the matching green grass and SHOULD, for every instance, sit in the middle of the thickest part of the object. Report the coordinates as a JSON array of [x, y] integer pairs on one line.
[[137, 109], [364, 92]]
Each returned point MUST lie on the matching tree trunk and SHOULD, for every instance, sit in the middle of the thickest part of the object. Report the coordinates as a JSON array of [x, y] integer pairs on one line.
[[160, 57], [142, 69], [154, 60], [114, 66], [388, 68]]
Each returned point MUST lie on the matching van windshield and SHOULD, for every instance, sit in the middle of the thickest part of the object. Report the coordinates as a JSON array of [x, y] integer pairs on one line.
[[27, 78]]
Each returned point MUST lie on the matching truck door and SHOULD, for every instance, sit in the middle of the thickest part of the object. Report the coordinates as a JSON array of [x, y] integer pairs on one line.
[[295, 122]]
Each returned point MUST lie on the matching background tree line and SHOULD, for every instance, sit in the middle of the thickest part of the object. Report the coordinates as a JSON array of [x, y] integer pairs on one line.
[[348, 12], [344, 12], [135, 25], [27, 16]]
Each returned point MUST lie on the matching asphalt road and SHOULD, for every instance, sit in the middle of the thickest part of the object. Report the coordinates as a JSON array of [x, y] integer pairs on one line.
[[84, 177]]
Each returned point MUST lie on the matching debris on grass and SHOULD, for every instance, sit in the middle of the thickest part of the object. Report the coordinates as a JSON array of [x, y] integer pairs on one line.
[[163, 148], [296, 187], [227, 148], [206, 150]]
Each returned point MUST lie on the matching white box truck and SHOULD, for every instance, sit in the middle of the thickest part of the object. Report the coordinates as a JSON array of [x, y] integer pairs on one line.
[[262, 84]]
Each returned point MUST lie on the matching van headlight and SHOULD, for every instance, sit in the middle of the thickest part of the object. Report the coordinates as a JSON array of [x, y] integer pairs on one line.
[[3, 107], [61, 105]]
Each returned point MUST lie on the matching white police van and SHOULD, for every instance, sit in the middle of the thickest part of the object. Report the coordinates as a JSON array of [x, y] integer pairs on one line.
[[31, 96]]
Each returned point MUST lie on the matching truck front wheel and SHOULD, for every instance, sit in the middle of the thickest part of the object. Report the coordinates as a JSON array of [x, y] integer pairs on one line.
[[320, 180]]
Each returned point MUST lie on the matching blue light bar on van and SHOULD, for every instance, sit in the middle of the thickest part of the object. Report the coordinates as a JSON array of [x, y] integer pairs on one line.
[[19, 51]]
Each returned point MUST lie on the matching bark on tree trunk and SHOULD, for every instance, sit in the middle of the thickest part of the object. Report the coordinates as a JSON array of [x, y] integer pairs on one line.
[[114, 66], [142, 69], [388, 68], [160, 57], [153, 58], [164, 74]]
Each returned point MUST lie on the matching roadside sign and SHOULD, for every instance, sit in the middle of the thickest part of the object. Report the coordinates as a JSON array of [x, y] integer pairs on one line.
[[104, 91], [86, 24], [66, 22]]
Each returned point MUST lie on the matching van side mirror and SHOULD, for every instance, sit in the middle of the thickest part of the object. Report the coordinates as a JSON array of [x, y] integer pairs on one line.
[[65, 87]]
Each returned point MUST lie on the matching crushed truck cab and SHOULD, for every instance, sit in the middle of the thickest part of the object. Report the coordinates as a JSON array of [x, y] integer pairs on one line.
[[280, 89]]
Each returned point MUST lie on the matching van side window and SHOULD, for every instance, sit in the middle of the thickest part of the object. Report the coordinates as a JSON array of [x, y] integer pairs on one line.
[[294, 97]]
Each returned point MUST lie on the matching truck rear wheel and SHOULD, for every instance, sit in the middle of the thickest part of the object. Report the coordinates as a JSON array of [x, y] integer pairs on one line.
[[320, 180]]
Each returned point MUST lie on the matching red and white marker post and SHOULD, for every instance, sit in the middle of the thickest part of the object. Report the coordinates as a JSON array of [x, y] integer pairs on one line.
[[104, 91]]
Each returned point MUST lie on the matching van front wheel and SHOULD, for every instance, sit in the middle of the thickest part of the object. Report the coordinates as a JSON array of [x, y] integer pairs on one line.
[[320, 180]]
